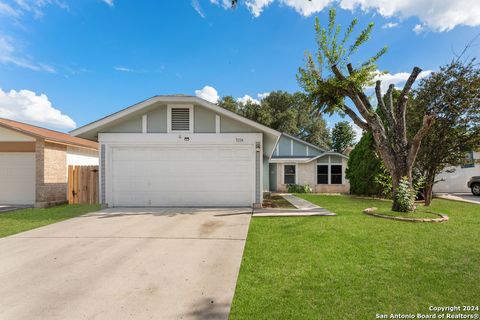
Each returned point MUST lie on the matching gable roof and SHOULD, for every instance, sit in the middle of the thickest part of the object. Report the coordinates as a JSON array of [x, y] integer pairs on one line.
[[47, 134], [304, 142], [96, 125]]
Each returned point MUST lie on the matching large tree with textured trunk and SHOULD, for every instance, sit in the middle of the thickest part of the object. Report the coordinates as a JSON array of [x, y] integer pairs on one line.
[[331, 79]]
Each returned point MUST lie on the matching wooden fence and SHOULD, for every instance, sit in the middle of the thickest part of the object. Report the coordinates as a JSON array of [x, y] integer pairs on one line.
[[82, 184]]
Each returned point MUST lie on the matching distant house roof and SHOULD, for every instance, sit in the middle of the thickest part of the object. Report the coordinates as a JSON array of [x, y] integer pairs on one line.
[[50, 135]]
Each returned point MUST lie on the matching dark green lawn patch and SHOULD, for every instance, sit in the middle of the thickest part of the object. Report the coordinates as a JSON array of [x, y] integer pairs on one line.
[[353, 266], [26, 219], [276, 201]]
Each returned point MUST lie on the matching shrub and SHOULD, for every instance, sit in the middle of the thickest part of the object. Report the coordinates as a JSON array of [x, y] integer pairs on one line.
[[405, 196], [296, 188], [365, 169]]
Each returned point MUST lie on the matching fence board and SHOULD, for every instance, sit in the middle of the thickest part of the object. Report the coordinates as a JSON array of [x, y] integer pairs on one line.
[[83, 184]]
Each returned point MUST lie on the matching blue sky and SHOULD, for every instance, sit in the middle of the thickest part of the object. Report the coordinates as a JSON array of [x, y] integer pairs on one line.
[[66, 63]]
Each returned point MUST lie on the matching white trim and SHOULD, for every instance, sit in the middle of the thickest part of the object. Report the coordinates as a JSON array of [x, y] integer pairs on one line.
[[293, 160], [296, 172], [291, 147], [144, 123], [171, 100], [217, 123], [179, 139], [328, 154], [307, 151], [329, 164], [169, 117]]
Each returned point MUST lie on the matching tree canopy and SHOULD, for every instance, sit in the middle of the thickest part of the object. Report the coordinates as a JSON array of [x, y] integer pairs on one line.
[[293, 114], [343, 136]]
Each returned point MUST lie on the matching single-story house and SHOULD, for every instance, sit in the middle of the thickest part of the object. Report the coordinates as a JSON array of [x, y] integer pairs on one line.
[[184, 151], [454, 179], [34, 163]]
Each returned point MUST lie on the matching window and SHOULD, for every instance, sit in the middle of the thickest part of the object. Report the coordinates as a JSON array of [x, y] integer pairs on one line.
[[289, 174], [180, 119], [329, 170], [469, 160], [322, 174], [336, 174]]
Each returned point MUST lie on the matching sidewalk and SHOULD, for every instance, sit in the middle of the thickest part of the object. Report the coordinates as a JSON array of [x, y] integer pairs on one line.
[[303, 207]]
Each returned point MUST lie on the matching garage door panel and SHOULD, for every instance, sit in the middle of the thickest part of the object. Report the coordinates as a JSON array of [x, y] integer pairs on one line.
[[183, 176], [17, 178]]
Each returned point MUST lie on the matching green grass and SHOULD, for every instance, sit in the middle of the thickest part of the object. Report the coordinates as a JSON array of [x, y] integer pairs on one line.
[[353, 266], [26, 219], [420, 213]]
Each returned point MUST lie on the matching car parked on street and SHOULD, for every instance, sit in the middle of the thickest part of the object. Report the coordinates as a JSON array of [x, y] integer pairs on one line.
[[474, 185]]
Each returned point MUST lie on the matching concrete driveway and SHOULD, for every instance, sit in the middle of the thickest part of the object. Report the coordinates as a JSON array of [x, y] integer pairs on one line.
[[464, 197], [125, 264]]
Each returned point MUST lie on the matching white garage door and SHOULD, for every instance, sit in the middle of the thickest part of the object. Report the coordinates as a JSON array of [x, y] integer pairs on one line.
[[183, 176], [17, 178]]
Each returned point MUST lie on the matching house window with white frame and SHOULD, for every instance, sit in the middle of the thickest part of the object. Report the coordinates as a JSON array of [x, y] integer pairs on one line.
[[289, 174], [329, 170]]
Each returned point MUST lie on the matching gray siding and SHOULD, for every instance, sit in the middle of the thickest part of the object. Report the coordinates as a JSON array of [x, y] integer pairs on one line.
[[157, 120], [284, 148], [228, 125], [299, 148], [266, 176], [131, 125], [204, 120]]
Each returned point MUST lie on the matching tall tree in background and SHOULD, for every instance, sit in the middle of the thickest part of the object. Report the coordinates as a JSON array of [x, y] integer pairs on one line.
[[453, 94], [331, 78], [293, 114], [343, 136]]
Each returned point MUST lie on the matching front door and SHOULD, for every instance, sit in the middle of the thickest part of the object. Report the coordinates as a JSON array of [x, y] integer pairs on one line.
[[273, 177]]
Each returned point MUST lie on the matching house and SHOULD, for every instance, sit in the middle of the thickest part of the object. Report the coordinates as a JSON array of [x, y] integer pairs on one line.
[[34, 163], [184, 151], [454, 179]]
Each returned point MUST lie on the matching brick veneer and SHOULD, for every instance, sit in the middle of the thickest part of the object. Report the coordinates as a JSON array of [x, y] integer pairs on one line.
[[51, 172]]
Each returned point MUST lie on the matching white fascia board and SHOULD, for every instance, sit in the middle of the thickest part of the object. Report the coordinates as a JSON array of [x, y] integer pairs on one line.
[[171, 100], [290, 160], [328, 154], [179, 138]]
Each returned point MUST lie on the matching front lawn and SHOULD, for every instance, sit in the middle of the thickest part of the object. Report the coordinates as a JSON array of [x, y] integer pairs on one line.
[[353, 266], [25, 219]]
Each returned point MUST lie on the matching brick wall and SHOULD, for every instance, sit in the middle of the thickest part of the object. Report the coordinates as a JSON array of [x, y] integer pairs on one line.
[[51, 172], [306, 174]]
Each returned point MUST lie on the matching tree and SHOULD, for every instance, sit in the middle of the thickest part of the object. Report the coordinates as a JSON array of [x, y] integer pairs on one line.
[[293, 114], [364, 166], [453, 94], [331, 79], [343, 136]]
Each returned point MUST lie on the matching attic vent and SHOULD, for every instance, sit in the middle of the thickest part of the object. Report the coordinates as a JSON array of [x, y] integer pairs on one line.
[[180, 119]]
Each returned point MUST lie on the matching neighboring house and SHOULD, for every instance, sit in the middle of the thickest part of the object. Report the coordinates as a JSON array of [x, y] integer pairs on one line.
[[34, 163], [456, 181], [184, 151]]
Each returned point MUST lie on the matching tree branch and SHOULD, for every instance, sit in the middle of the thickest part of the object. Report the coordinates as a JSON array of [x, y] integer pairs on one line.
[[381, 104], [402, 105], [414, 145], [355, 118]]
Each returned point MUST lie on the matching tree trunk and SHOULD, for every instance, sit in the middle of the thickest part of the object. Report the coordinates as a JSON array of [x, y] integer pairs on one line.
[[399, 171], [429, 181]]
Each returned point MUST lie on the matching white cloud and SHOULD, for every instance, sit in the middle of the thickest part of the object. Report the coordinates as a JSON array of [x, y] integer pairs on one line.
[[263, 95], [358, 131], [390, 25], [208, 93], [123, 69], [7, 10], [438, 15], [109, 2], [27, 106], [398, 79], [246, 98], [224, 3], [419, 28], [198, 8], [10, 55]]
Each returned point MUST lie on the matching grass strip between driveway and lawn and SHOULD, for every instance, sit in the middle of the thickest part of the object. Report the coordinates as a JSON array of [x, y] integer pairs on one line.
[[353, 266], [25, 219]]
